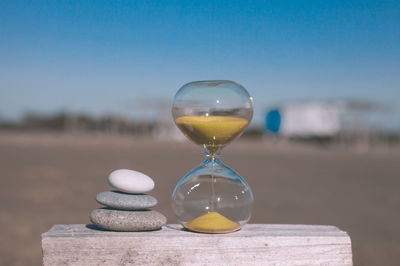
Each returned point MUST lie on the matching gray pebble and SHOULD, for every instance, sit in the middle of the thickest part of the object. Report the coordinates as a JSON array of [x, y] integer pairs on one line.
[[123, 201], [117, 220]]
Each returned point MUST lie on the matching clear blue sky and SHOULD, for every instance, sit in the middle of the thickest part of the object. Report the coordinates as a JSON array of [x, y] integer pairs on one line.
[[95, 56]]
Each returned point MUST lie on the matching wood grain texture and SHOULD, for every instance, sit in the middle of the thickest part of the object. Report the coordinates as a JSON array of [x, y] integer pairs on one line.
[[255, 244]]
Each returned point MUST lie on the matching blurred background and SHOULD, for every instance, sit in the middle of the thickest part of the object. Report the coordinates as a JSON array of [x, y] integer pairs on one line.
[[86, 88]]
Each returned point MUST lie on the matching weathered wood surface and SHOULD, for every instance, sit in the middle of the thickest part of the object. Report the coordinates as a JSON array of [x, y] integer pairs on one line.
[[255, 244]]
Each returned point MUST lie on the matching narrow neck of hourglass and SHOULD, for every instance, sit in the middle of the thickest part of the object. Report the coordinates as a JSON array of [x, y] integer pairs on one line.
[[211, 158]]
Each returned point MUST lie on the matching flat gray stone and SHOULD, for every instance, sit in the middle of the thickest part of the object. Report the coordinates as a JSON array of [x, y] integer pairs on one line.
[[118, 220], [123, 201]]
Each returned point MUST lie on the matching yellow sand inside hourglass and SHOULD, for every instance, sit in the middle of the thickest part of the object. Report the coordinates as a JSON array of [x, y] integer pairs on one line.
[[212, 222], [211, 131]]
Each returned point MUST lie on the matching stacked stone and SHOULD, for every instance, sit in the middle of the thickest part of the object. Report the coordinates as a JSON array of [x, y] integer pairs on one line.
[[127, 209]]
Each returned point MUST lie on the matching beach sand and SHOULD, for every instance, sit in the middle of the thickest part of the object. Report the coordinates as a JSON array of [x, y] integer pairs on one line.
[[53, 179]]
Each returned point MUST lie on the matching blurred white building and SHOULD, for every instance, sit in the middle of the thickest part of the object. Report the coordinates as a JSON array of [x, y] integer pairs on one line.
[[312, 119], [321, 119]]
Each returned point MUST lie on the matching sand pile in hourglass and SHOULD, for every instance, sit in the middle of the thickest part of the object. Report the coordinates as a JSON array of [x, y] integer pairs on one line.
[[212, 198], [212, 131]]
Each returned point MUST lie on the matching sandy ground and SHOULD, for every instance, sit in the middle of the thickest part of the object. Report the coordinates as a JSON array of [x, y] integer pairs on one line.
[[49, 179]]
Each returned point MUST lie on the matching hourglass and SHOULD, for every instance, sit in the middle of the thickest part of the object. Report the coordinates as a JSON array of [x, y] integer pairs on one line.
[[212, 198]]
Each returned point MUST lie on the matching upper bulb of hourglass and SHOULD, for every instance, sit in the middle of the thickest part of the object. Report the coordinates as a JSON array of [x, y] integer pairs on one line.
[[212, 113]]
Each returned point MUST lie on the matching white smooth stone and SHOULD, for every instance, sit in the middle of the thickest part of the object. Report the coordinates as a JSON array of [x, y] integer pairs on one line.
[[130, 181]]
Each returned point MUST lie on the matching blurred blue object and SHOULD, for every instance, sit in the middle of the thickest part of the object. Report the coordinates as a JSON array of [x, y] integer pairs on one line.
[[273, 121]]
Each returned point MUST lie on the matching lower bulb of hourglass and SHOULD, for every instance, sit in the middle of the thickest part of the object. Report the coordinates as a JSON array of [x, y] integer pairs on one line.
[[212, 198]]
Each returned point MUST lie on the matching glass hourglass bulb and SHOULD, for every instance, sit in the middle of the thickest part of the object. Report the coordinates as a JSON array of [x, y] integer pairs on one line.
[[212, 198]]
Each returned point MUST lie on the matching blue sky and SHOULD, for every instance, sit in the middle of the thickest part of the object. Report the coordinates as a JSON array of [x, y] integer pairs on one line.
[[96, 56]]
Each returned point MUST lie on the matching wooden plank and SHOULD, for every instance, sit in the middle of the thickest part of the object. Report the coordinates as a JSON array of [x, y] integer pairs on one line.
[[255, 244]]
